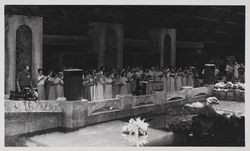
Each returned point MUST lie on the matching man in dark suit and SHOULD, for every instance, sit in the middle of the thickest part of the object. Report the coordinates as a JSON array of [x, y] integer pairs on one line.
[[24, 79]]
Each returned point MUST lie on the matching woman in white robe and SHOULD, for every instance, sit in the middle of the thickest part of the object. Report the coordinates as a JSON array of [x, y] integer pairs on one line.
[[99, 87], [51, 86], [108, 87], [59, 85], [178, 82], [190, 79], [172, 81], [40, 85], [124, 88]]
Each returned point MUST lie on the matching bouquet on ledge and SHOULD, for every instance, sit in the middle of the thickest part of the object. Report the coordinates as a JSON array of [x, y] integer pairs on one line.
[[136, 127], [229, 85]]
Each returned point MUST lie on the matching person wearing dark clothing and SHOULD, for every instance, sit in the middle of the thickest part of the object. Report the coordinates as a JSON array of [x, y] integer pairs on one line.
[[24, 80]]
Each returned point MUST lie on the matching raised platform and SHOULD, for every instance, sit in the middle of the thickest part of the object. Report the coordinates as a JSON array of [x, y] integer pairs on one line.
[[23, 117]]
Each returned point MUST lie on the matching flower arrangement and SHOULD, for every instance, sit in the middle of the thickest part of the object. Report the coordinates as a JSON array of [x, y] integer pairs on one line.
[[212, 100], [195, 105], [229, 85], [230, 91], [136, 127]]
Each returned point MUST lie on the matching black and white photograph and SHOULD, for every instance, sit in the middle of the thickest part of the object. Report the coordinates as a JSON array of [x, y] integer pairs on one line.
[[124, 75]]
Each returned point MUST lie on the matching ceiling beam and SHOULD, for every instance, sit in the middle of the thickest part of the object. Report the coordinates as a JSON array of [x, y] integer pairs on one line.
[[215, 31], [227, 10], [178, 15]]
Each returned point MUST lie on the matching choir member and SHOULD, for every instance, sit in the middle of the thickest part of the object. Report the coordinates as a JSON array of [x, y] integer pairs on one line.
[[108, 86], [40, 84], [51, 86], [59, 85]]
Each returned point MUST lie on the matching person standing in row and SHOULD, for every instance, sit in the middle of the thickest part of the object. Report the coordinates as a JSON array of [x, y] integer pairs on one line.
[[184, 77], [108, 86], [99, 86], [51, 86], [178, 80], [59, 85], [229, 71], [168, 80], [190, 77], [40, 84], [164, 82], [172, 80], [86, 87], [123, 84]]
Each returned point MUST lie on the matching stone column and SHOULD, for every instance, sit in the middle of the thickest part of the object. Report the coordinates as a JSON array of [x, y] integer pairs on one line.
[[37, 45], [118, 29], [158, 41], [11, 25], [172, 33], [98, 42], [10, 54], [98, 35]]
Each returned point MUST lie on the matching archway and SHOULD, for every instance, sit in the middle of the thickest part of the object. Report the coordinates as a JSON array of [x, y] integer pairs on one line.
[[167, 51], [23, 48], [110, 49]]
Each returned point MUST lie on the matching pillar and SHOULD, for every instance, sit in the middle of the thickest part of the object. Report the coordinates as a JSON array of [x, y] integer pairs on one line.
[[156, 42], [98, 35], [98, 42], [158, 36], [119, 52], [11, 25], [172, 34]]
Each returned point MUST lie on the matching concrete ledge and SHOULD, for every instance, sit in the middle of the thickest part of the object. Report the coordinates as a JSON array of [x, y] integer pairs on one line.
[[143, 100], [74, 113], [202, 91], [101, 106], [21, 123], [176, 95], [32, 106]]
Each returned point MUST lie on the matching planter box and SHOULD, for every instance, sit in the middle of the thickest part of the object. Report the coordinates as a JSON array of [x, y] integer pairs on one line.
[[216, 93], [230, 96], [223, 95]]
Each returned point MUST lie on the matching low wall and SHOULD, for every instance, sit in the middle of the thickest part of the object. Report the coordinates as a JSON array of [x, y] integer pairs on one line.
[[29, 116]]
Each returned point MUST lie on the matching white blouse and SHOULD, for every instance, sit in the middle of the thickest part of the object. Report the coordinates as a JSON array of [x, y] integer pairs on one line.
[[42, 81]]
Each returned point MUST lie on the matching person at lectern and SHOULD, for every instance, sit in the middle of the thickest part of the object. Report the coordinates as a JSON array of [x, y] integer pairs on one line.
[[24, 79]]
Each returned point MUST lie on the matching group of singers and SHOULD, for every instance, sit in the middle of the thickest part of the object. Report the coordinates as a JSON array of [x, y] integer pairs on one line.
[[106, 84]]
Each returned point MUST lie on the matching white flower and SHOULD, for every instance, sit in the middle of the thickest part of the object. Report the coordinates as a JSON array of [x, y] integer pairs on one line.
[[195, 105], [210, 100], [136, 127]]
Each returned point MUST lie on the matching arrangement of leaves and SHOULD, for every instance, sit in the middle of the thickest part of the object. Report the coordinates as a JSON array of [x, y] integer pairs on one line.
[[181, 126], [136, 127], [220, 122]]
